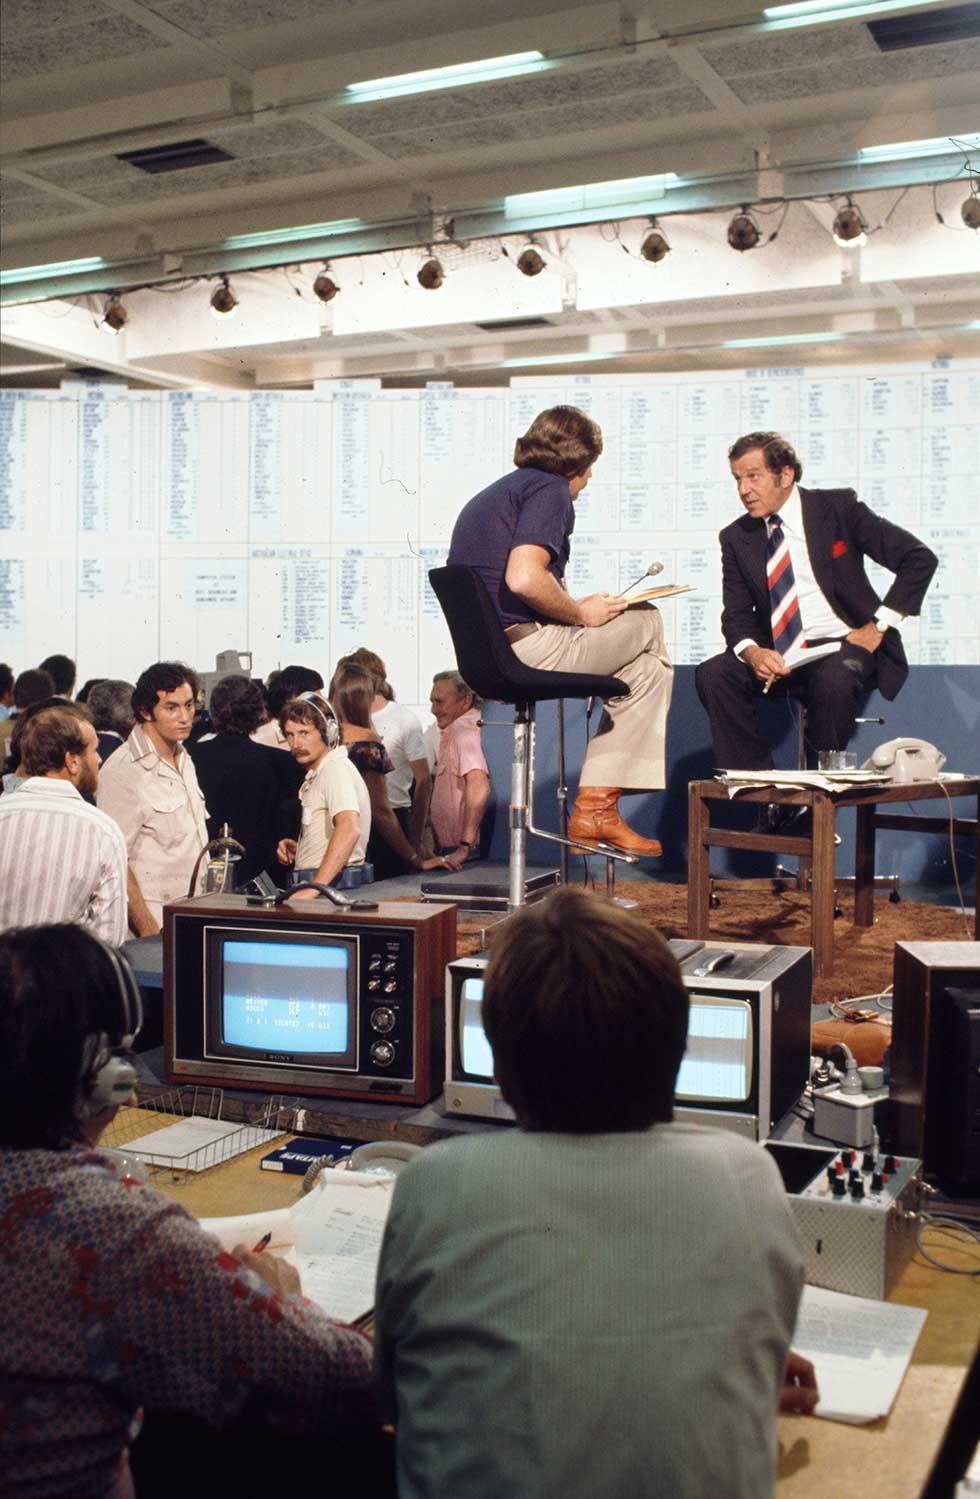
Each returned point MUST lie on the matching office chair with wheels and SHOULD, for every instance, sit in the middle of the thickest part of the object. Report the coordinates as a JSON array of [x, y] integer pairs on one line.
[[490, 668]]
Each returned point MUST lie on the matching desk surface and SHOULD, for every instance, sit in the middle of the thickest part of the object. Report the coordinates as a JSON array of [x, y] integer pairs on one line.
[[889, 1460], [844, 794]]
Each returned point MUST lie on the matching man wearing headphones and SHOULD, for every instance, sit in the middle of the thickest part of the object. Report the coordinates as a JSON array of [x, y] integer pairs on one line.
[[112, 1297], [336, 808]]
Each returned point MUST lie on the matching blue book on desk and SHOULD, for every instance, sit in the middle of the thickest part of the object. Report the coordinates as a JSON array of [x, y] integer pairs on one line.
[[298, 1155]]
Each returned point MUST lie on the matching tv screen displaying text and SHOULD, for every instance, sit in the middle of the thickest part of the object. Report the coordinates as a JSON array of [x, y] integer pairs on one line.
[[285, 996]]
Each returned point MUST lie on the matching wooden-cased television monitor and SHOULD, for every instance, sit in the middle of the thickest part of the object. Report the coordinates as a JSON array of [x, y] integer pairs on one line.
[[306, 999]]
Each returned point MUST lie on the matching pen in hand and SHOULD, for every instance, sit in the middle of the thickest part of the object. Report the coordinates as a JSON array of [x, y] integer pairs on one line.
[[769, 683], [263, 1243]]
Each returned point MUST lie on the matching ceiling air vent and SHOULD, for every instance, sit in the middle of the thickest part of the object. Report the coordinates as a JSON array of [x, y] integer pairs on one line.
[[175, 157], [509, 324], [926, 28]]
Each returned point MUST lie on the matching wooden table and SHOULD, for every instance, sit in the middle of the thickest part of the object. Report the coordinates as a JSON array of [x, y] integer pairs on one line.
[[892, 1459], [819, 848], [888, 1460]]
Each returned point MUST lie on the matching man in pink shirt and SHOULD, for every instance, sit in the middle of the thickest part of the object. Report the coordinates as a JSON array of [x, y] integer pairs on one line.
[[461, 786]]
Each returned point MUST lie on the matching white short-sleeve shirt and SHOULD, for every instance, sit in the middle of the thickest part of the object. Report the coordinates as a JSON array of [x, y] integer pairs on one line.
[[332, 786], [401, 734]]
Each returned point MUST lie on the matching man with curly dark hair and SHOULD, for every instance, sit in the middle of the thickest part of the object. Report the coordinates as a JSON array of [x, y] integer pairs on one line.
[[150, 787], [516, 534]]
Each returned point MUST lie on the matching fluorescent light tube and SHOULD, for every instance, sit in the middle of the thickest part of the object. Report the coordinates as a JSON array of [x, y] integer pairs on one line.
[[590, 195], [484, 70], [937, 145], [783, 338], [55, 268], [816, 12], [516, 364], [289, 236]]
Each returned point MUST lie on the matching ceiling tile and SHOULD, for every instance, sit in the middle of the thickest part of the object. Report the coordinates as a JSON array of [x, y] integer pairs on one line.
[[71, 47]]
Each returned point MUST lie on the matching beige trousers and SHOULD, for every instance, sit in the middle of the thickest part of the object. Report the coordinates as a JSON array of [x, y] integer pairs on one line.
[[627, 749]]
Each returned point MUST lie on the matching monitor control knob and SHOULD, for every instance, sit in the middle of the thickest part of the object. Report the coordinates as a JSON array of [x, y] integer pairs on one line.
[[383, 1019], [857, 1188], [382, 1053], [840, 1186], [877, 1181], [868, 1164]]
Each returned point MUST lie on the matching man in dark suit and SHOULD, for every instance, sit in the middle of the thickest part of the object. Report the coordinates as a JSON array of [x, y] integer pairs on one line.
[[792, 576], [250, 786]]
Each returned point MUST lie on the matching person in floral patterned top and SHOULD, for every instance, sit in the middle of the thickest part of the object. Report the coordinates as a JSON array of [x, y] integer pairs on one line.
[[112, 1297]]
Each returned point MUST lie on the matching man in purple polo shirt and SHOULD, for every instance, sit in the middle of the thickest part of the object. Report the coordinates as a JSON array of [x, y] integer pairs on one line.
[[515, 533]]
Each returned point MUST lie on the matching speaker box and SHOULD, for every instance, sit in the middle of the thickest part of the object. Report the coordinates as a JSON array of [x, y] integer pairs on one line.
[[929, 1030]]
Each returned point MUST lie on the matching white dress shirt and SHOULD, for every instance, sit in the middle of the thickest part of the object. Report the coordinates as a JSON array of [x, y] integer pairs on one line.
[[61, 859], [817, 617]]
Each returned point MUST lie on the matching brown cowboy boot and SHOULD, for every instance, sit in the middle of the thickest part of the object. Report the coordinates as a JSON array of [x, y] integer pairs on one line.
[[595, 819]]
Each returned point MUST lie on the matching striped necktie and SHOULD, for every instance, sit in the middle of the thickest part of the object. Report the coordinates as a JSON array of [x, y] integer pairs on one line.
[[784, 603]]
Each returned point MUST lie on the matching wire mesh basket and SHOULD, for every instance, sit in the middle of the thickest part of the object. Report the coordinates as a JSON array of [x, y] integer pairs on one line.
[[183, 1133]]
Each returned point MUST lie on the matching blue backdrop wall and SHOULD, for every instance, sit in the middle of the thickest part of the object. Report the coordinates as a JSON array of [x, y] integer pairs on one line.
[[938, 703]]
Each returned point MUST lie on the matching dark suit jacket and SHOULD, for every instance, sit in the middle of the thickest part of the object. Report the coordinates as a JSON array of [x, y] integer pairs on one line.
[[840, 532], [254, 789]]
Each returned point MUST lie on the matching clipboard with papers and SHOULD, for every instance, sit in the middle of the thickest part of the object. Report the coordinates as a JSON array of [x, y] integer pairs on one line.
[[665, 591]]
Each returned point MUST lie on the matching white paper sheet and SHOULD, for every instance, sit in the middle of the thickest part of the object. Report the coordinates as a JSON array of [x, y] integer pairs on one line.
[[860, 1350], [332, 1235]]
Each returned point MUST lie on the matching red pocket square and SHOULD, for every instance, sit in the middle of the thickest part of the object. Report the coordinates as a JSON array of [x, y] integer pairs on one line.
[[839, 549]]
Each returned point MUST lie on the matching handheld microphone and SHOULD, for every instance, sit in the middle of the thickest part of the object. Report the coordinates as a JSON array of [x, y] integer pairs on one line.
[[651, 572]]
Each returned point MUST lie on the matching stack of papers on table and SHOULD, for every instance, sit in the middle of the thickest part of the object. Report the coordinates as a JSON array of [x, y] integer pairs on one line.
[[332, 1236], [823, 780]]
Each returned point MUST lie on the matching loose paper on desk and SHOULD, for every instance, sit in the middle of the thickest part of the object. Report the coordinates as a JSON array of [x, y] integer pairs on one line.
[[860, 1350], [332, 1236], [823, 780], [665, 591]]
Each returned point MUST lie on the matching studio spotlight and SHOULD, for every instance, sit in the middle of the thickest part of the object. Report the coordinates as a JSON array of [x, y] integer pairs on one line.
[[325, 287], [114, 315], [530, 262], [850, 227], [431, 275], [224, 303], [743, 231], [970, 210], [655, 247]]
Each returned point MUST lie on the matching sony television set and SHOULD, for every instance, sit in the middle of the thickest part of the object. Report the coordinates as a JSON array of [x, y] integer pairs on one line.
[[748, 1051], [306, 999]]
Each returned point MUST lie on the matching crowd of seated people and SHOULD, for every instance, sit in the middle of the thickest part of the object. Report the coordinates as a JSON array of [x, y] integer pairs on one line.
[[177, 771]]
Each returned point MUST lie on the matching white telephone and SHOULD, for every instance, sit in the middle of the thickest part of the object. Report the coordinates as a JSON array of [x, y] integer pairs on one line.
[[907, 759]]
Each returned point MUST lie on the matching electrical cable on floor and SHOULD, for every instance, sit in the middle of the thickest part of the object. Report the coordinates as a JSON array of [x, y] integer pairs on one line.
[[842, 1007], [967, 1238]]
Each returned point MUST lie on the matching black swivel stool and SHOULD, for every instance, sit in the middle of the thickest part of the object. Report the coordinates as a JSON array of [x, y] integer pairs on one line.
[[489, 666]]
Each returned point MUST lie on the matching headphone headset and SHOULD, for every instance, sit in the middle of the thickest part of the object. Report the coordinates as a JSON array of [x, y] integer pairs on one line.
[[105, 1079], [331, 725]]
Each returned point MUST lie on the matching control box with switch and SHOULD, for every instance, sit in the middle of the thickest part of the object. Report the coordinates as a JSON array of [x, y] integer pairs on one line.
[[856, 1211]]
